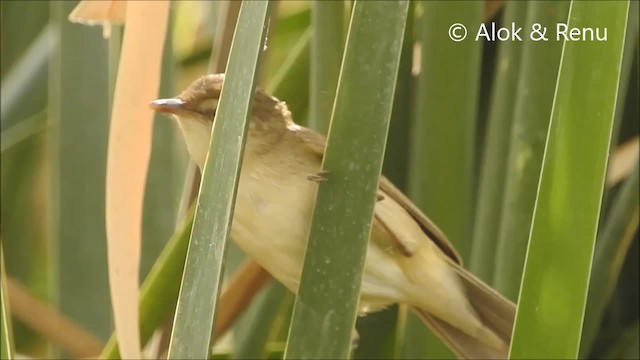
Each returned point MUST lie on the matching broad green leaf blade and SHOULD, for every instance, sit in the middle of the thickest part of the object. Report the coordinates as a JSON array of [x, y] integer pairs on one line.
[[533, 101], [380, 332], [203, 267], [612, 246], [6, 330], [327, 20], [160, 289], [325, 309], [396, 156], [78, 116], [444, 128], [496, 148], [441, 175], [565, 222]]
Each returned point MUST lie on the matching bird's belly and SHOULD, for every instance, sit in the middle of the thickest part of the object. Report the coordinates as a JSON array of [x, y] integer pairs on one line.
[[271, 225]]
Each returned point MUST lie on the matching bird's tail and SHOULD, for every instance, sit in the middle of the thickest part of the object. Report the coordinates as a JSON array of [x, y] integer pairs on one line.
[[494, 311]]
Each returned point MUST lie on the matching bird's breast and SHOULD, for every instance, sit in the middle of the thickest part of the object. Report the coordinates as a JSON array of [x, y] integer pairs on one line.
[[271, 220]]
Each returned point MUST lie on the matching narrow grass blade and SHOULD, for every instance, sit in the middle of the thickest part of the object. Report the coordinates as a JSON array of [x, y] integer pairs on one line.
[[496, 148], [325, 308], [611, 249], [534, 98], [553, 295], [327, 20], [396, 156], [23, 130], [22, 87], [442, 156], [203, 268], [6, 329], [441, 171]]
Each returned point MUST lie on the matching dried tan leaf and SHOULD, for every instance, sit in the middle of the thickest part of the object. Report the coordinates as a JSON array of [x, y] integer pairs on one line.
[[623, 161], [129, 149], [103, 13], [51, 324], [491, 8]]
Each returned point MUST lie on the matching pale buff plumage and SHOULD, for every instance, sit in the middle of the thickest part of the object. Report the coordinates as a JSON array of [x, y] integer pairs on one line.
[[408, 261]]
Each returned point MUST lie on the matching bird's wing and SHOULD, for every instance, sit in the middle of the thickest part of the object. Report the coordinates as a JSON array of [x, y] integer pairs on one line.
[[403, 244], [433, 232]]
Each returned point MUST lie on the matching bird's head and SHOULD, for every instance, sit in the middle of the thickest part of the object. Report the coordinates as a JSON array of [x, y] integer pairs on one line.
[[195, 109]]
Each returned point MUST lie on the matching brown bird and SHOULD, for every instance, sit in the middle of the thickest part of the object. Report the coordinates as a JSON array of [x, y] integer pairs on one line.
[[408, 261]]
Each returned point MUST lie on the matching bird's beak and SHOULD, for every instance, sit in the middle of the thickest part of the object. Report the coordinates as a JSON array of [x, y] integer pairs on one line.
[[171, 106]]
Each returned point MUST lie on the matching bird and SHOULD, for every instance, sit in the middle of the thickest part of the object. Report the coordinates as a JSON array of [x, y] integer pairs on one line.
[[408, 259]]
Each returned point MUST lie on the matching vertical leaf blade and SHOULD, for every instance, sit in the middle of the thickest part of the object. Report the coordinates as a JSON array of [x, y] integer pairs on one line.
[[442, 144], [203, 267], [79, 118], [326, 305], [553, 294], [6, 330], [496, 149], [532, 111], [327, 20], [612, 245]]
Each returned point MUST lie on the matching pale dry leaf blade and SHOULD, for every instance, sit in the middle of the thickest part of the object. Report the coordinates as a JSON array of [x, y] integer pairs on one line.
[[128, 155]]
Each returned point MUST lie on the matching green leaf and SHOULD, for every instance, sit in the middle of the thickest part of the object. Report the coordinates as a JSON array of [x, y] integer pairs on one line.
[[23, 130], [444, 128], [565, 221], [79, 121], [203, 267], [496, 148], [395, 166], [441, 174], [327, 21], [611, 249], [325, 309], [533, 100], [6, 330]]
